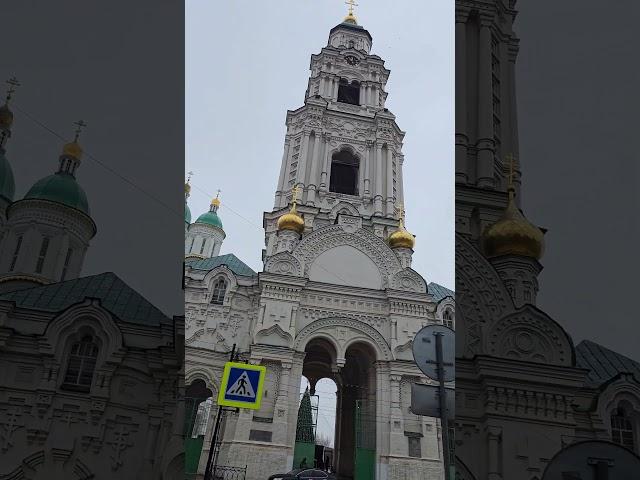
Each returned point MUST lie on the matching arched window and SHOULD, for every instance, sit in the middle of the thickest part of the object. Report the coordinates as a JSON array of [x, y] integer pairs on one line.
[[447, 318], [622, 428], [349, 92], [344, 173], [81, 365], [219, 291]]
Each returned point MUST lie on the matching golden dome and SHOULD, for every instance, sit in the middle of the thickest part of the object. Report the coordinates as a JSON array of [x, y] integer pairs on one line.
[[291, 221], [215, 202], [401, 238], [350, 18], [513, 234], [6, 117], [72, 149], [187, 188]]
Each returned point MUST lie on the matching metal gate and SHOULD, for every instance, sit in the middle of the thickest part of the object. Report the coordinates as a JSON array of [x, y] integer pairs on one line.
[[365, 436]]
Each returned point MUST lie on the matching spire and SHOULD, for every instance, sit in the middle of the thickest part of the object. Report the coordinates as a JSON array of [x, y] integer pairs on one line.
[[513, 234], [215, 203], [351, 18], [187, 186], [291, 220], [6, 115], [72, 152], [401, 238]]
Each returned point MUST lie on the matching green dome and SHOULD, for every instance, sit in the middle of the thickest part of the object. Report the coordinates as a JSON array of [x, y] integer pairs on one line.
[[61, 188], [7, 182], [187, 213], [210, 218]]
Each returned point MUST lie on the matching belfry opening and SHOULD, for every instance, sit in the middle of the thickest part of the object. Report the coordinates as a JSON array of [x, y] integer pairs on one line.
[[354, 433]]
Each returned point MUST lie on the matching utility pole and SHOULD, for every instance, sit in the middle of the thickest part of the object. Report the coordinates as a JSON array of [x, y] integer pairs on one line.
[[212, 459]]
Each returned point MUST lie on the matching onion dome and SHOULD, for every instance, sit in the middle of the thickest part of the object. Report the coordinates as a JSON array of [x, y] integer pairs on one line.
[[6, 117], [62, 187], [291, 220], [350, 18], [211, 217], [401, 238], [513, 234]]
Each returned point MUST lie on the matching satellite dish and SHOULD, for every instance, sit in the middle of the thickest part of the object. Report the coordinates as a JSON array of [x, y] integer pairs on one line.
[[593, 459], [424, 351]]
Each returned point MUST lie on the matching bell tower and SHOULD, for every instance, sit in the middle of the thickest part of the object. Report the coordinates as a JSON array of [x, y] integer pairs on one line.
[[343, 147]]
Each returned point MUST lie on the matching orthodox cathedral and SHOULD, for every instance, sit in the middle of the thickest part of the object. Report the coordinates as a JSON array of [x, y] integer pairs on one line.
[[524, 390], [337, 297], [89, 368]]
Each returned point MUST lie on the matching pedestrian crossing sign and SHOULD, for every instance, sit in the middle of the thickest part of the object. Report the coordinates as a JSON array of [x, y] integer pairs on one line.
[[242, 385]]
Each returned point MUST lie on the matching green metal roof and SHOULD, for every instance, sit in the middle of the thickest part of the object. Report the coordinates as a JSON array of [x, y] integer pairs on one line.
[[438, 292], [603, 364], [7, 182], [115, 296], [61, 188], [232, 262], [210, 218]]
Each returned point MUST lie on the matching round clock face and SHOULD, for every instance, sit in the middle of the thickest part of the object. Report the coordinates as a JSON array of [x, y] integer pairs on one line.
[[351, 60]]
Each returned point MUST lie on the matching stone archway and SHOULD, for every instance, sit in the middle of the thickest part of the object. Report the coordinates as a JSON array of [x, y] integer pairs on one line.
[[347, 352]]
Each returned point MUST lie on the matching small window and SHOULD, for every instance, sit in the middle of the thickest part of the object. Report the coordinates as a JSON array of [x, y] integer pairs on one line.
[[191, 247], [204, 240], [447, 318], [415, 449], [43, 254], [81, 365], [344, 173], [66, 264], [15, 254], [349, 92], [622, 428], [219, 291]]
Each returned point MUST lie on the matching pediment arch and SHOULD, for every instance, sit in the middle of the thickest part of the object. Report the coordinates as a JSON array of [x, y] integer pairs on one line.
[[332, 236]]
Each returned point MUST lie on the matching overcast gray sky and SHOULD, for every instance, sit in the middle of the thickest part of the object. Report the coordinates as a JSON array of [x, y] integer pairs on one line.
[[247, 62]]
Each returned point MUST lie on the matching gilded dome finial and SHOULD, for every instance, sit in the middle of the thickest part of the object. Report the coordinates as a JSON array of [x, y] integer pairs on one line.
[[187, 185], [73, 149], [513, 234], [401, 238], [6, 115], [291, 220], [215, 203], [351, 18]]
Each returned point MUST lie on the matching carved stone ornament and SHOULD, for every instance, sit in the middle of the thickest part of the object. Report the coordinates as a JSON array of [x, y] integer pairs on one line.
[[530, 335], [283, 263]]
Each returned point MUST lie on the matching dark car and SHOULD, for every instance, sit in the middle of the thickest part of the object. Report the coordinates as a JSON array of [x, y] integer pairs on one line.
[[303, 474]]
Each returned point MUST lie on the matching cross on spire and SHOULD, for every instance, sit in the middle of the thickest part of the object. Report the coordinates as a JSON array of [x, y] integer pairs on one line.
[[80, 125], [189, 175], [13, 84], [218, 193], [294, 196], [400, 210], [351, 4]]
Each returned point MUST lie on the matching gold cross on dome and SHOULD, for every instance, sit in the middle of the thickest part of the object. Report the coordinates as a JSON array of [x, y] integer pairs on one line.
[[13, 84], [511, 159], [400, 211], [294, 195], [80, 125], [351, 4]]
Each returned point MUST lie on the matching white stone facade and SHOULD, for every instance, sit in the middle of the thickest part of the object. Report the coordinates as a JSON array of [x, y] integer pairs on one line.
[[335, 301], [523, 390]]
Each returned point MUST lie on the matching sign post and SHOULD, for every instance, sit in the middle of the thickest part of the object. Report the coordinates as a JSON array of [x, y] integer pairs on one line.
[[240, 387], [434, 353]]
